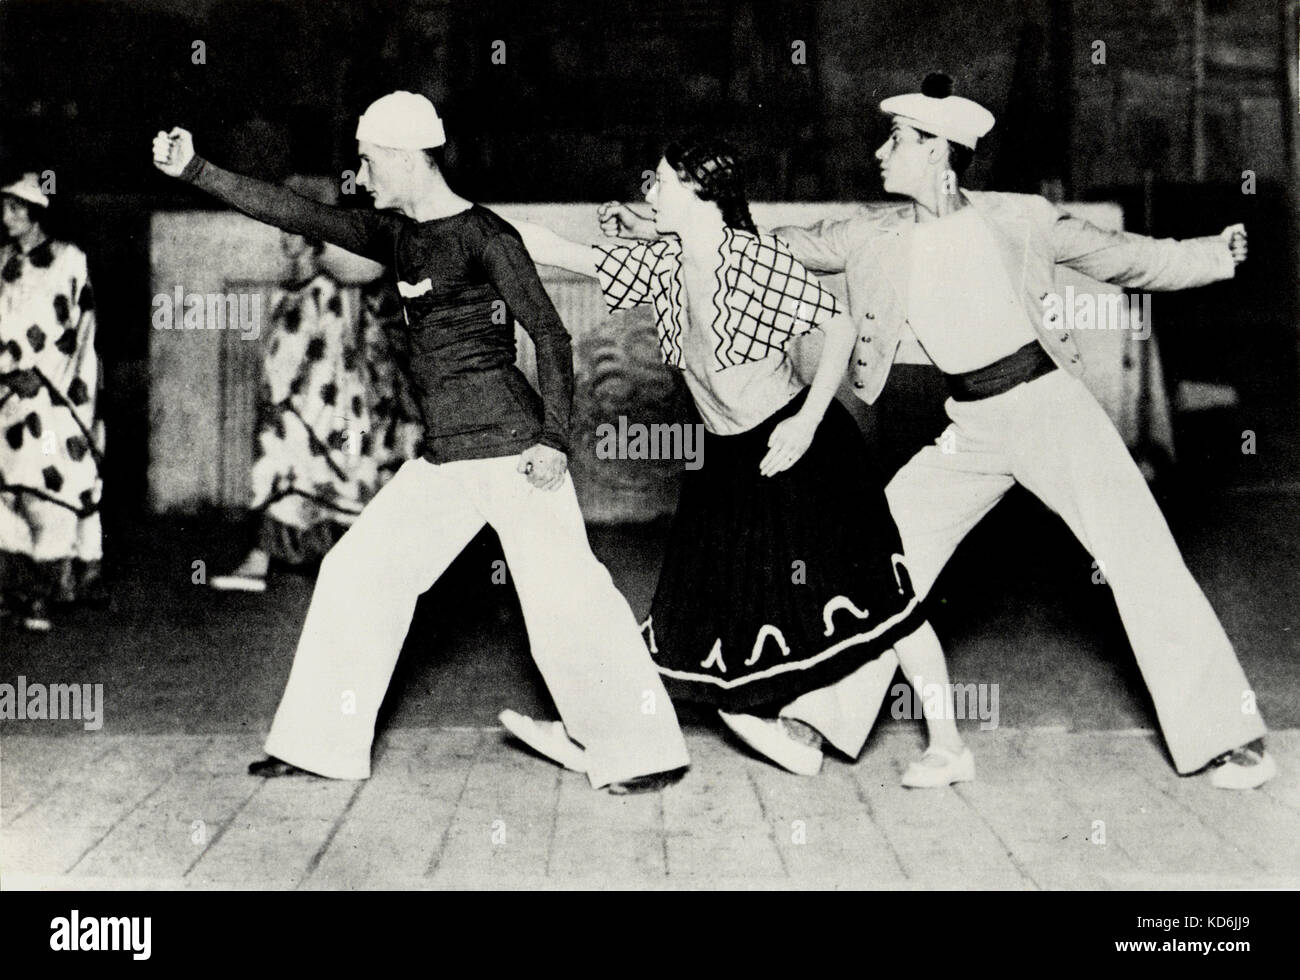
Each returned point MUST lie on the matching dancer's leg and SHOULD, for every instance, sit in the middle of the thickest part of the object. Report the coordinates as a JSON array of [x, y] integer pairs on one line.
[[921, 657], [936, 498], [581, 631], [1069, 455], [360, 610]]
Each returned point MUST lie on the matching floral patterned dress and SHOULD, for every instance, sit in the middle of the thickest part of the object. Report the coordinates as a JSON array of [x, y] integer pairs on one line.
[[51, 434]]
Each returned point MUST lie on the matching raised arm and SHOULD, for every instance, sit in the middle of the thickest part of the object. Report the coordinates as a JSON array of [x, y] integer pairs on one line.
[[363, 232], [1138, 261]]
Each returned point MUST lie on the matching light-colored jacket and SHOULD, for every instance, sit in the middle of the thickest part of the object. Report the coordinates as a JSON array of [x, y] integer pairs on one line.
[[874, 250]]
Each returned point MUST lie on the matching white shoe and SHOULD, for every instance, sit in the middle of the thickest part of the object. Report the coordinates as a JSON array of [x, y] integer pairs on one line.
[[547, 738], [237, 583], [952, 768], [1243, 768], [770, 738]]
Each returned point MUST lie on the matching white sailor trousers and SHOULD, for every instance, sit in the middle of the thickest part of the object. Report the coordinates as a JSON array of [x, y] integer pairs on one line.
[[1051, 436], [582, 633]]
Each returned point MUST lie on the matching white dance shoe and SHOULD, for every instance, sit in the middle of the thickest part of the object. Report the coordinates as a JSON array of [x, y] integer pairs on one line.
[[939, 767], [1248, 767], [771, 739], [546, 738]]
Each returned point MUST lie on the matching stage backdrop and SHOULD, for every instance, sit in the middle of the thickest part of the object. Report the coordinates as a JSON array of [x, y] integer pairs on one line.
[[203, 382]]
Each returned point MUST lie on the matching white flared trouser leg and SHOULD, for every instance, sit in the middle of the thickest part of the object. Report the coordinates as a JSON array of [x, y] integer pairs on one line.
[[1053, 437], [1071, 457], [582, 633], [360, 611]]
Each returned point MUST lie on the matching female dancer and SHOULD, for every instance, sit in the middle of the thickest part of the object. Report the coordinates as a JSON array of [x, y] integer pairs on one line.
[[331, 429], [783, 571], [50, 538]]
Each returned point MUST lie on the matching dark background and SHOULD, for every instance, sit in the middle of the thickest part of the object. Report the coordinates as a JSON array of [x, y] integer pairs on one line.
[[590, 92]]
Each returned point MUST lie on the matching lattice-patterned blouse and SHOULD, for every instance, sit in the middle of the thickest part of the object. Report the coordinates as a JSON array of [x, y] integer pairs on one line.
[[735, 365]]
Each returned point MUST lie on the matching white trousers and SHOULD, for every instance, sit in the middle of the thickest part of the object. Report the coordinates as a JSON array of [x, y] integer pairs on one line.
[[1051, 436], [583, 636]]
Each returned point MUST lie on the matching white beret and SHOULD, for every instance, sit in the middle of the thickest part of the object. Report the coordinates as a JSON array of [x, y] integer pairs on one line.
[[403, 121], [951, 117], [27, 188]]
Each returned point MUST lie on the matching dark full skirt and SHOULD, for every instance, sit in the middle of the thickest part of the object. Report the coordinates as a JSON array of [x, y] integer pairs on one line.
[[775, 586]]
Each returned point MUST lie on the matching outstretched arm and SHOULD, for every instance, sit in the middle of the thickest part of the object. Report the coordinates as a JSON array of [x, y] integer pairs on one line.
[[1139, 261], [618, 220], [824, 247], [548, 248], [368, 233]]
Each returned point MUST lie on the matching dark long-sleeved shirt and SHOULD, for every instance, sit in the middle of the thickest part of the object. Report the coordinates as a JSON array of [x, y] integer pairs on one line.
[[464, 280]]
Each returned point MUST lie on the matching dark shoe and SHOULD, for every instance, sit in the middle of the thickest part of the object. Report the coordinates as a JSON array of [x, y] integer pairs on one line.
[[271, 767], [651, 783]]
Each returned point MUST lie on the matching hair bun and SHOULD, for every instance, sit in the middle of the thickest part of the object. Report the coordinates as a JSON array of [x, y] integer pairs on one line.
[[937, 85]]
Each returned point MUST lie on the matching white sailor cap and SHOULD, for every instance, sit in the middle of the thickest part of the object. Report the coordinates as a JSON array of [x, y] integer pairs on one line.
[[27, 188], [403, 121], [936, 110]]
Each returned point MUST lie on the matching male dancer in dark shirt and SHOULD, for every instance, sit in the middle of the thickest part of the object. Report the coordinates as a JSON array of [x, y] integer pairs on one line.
[[495, 453]]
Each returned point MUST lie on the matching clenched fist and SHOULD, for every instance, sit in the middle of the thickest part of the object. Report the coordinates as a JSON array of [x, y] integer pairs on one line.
[[173, 151], [618, 220], [1235, 236]]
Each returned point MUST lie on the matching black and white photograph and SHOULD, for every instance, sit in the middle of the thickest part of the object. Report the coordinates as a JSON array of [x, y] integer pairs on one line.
[[650, 445]]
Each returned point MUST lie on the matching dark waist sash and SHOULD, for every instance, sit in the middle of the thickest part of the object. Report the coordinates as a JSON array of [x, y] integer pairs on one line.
[[1026, 364]]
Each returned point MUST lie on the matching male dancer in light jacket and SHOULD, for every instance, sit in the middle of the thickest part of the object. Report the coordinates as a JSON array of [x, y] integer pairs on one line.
[[972, 275], [495, 453]]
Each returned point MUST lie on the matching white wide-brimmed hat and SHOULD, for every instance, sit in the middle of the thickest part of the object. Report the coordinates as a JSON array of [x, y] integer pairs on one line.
[[27, 188]]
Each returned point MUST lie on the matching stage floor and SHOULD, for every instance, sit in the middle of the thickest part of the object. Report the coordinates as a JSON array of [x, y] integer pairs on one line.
[[1074, 789]]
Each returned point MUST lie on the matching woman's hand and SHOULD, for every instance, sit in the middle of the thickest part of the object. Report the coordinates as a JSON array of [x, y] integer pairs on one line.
[[173, 151], [618, 220], [788, 442]]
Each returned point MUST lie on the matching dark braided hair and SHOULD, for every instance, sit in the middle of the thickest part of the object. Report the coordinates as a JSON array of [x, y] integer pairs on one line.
[[714, 167]]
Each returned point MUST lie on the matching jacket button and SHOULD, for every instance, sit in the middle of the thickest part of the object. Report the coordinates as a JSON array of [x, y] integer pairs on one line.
[[514, 432], [861, 363], [858, 384], [1064, 337]]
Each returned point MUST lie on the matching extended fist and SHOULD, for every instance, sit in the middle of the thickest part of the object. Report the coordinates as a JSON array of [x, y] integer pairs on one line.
[[1235, 236], [618, 220], [173, 151]]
